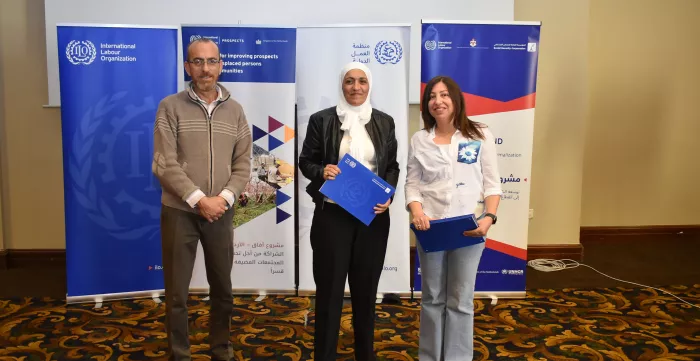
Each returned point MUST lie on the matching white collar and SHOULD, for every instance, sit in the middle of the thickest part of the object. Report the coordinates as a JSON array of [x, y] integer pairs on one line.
[[218, 91], [431, 133]]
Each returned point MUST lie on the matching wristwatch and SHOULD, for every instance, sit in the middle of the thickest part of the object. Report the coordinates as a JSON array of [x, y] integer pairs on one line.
[[493, 216]]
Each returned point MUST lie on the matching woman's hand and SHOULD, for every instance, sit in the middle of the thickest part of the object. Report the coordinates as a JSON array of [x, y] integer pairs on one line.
[[483, 228], [421, 221], [330, 172], [381, 208]]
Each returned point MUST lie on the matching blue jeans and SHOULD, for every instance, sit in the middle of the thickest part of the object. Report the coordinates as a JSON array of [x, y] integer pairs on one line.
[[447, 303]]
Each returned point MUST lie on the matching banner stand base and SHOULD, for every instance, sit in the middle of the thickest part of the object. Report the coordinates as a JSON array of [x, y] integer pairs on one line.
[[489, 295], [114, 297], [156, 294], [246, 292], [404, 295]]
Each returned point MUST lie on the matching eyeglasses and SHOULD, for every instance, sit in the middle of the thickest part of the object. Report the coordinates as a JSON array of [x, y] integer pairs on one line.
[[200, 61]]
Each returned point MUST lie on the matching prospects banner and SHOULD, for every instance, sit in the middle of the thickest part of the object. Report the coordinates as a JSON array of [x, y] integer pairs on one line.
[[323, 51], [495, 66], [259, 65], [112, 79]]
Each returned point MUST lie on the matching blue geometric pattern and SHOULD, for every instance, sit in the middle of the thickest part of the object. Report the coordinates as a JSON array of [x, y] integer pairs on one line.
[[281, 198], [274, 142], [258, 133], [282, 216]]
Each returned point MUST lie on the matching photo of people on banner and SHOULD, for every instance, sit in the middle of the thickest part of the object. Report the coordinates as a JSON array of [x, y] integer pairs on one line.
[[268, 174]]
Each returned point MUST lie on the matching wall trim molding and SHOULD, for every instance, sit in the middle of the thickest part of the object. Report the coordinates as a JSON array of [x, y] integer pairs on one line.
[[555, 251], [57, 257], [3, 259], [43, 258], [600, 233]]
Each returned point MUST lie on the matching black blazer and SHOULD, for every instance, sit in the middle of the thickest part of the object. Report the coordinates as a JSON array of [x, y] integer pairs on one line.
[[322, 145]]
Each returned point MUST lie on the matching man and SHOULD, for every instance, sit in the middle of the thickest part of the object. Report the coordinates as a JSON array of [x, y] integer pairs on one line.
[[202, 147]]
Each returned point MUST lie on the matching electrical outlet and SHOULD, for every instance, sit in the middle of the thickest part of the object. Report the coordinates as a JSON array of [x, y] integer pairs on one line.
[[531, 214]]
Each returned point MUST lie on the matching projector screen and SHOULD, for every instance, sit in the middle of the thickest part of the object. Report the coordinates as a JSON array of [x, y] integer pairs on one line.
[[265, 12]]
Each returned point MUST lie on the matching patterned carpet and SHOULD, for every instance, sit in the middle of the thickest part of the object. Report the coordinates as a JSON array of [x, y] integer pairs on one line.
[[571, 324]]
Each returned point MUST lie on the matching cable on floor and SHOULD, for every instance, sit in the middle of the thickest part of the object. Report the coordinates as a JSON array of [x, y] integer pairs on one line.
[[553, 265]]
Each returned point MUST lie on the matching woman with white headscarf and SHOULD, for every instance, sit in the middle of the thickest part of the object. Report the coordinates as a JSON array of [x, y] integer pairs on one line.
[[342, 245]]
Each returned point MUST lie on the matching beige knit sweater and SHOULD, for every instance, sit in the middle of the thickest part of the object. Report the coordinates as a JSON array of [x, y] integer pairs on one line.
[[192, 151]]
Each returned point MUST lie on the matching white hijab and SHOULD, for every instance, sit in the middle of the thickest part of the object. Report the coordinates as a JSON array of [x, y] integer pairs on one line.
[[354, 118]]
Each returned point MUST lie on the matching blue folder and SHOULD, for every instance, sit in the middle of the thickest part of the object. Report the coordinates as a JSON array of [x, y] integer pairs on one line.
[[357, 189], [447, 234]]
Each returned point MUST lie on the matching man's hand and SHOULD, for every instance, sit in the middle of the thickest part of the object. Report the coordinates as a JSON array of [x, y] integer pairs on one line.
[[212, 208]]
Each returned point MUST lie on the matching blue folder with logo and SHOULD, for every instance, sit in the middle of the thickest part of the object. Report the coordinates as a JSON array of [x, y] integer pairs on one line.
[[448, 234], [357, 189]]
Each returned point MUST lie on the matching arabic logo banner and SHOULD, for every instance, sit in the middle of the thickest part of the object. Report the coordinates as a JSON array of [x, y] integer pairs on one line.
[[383, 49]]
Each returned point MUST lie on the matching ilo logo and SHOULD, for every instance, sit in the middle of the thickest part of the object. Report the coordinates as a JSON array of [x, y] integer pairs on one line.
[[354, 192], [81, 52], [195, 37], [499, 140], [389, 52], [111, 175], [430, 45]]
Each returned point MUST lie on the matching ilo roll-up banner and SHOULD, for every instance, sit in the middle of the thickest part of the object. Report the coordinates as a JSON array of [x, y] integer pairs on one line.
[[259, 72], [495, 65], [110, 90], [384, 48]]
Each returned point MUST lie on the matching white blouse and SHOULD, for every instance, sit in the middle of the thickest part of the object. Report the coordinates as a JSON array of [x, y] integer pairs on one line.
[[451, 180], [370, 159]]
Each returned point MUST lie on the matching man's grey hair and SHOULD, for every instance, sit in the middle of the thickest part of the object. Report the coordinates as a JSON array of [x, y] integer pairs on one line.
[[201, 40]]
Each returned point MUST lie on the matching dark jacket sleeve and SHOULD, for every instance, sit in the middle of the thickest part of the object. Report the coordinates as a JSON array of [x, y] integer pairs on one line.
[[311, 157], [392, 166]]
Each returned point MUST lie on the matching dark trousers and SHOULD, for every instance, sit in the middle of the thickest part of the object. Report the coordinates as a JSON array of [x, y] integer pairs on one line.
[[180, 233], [344, 247]]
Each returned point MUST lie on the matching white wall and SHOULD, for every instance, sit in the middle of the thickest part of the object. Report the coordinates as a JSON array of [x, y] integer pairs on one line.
[[265, 12]]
